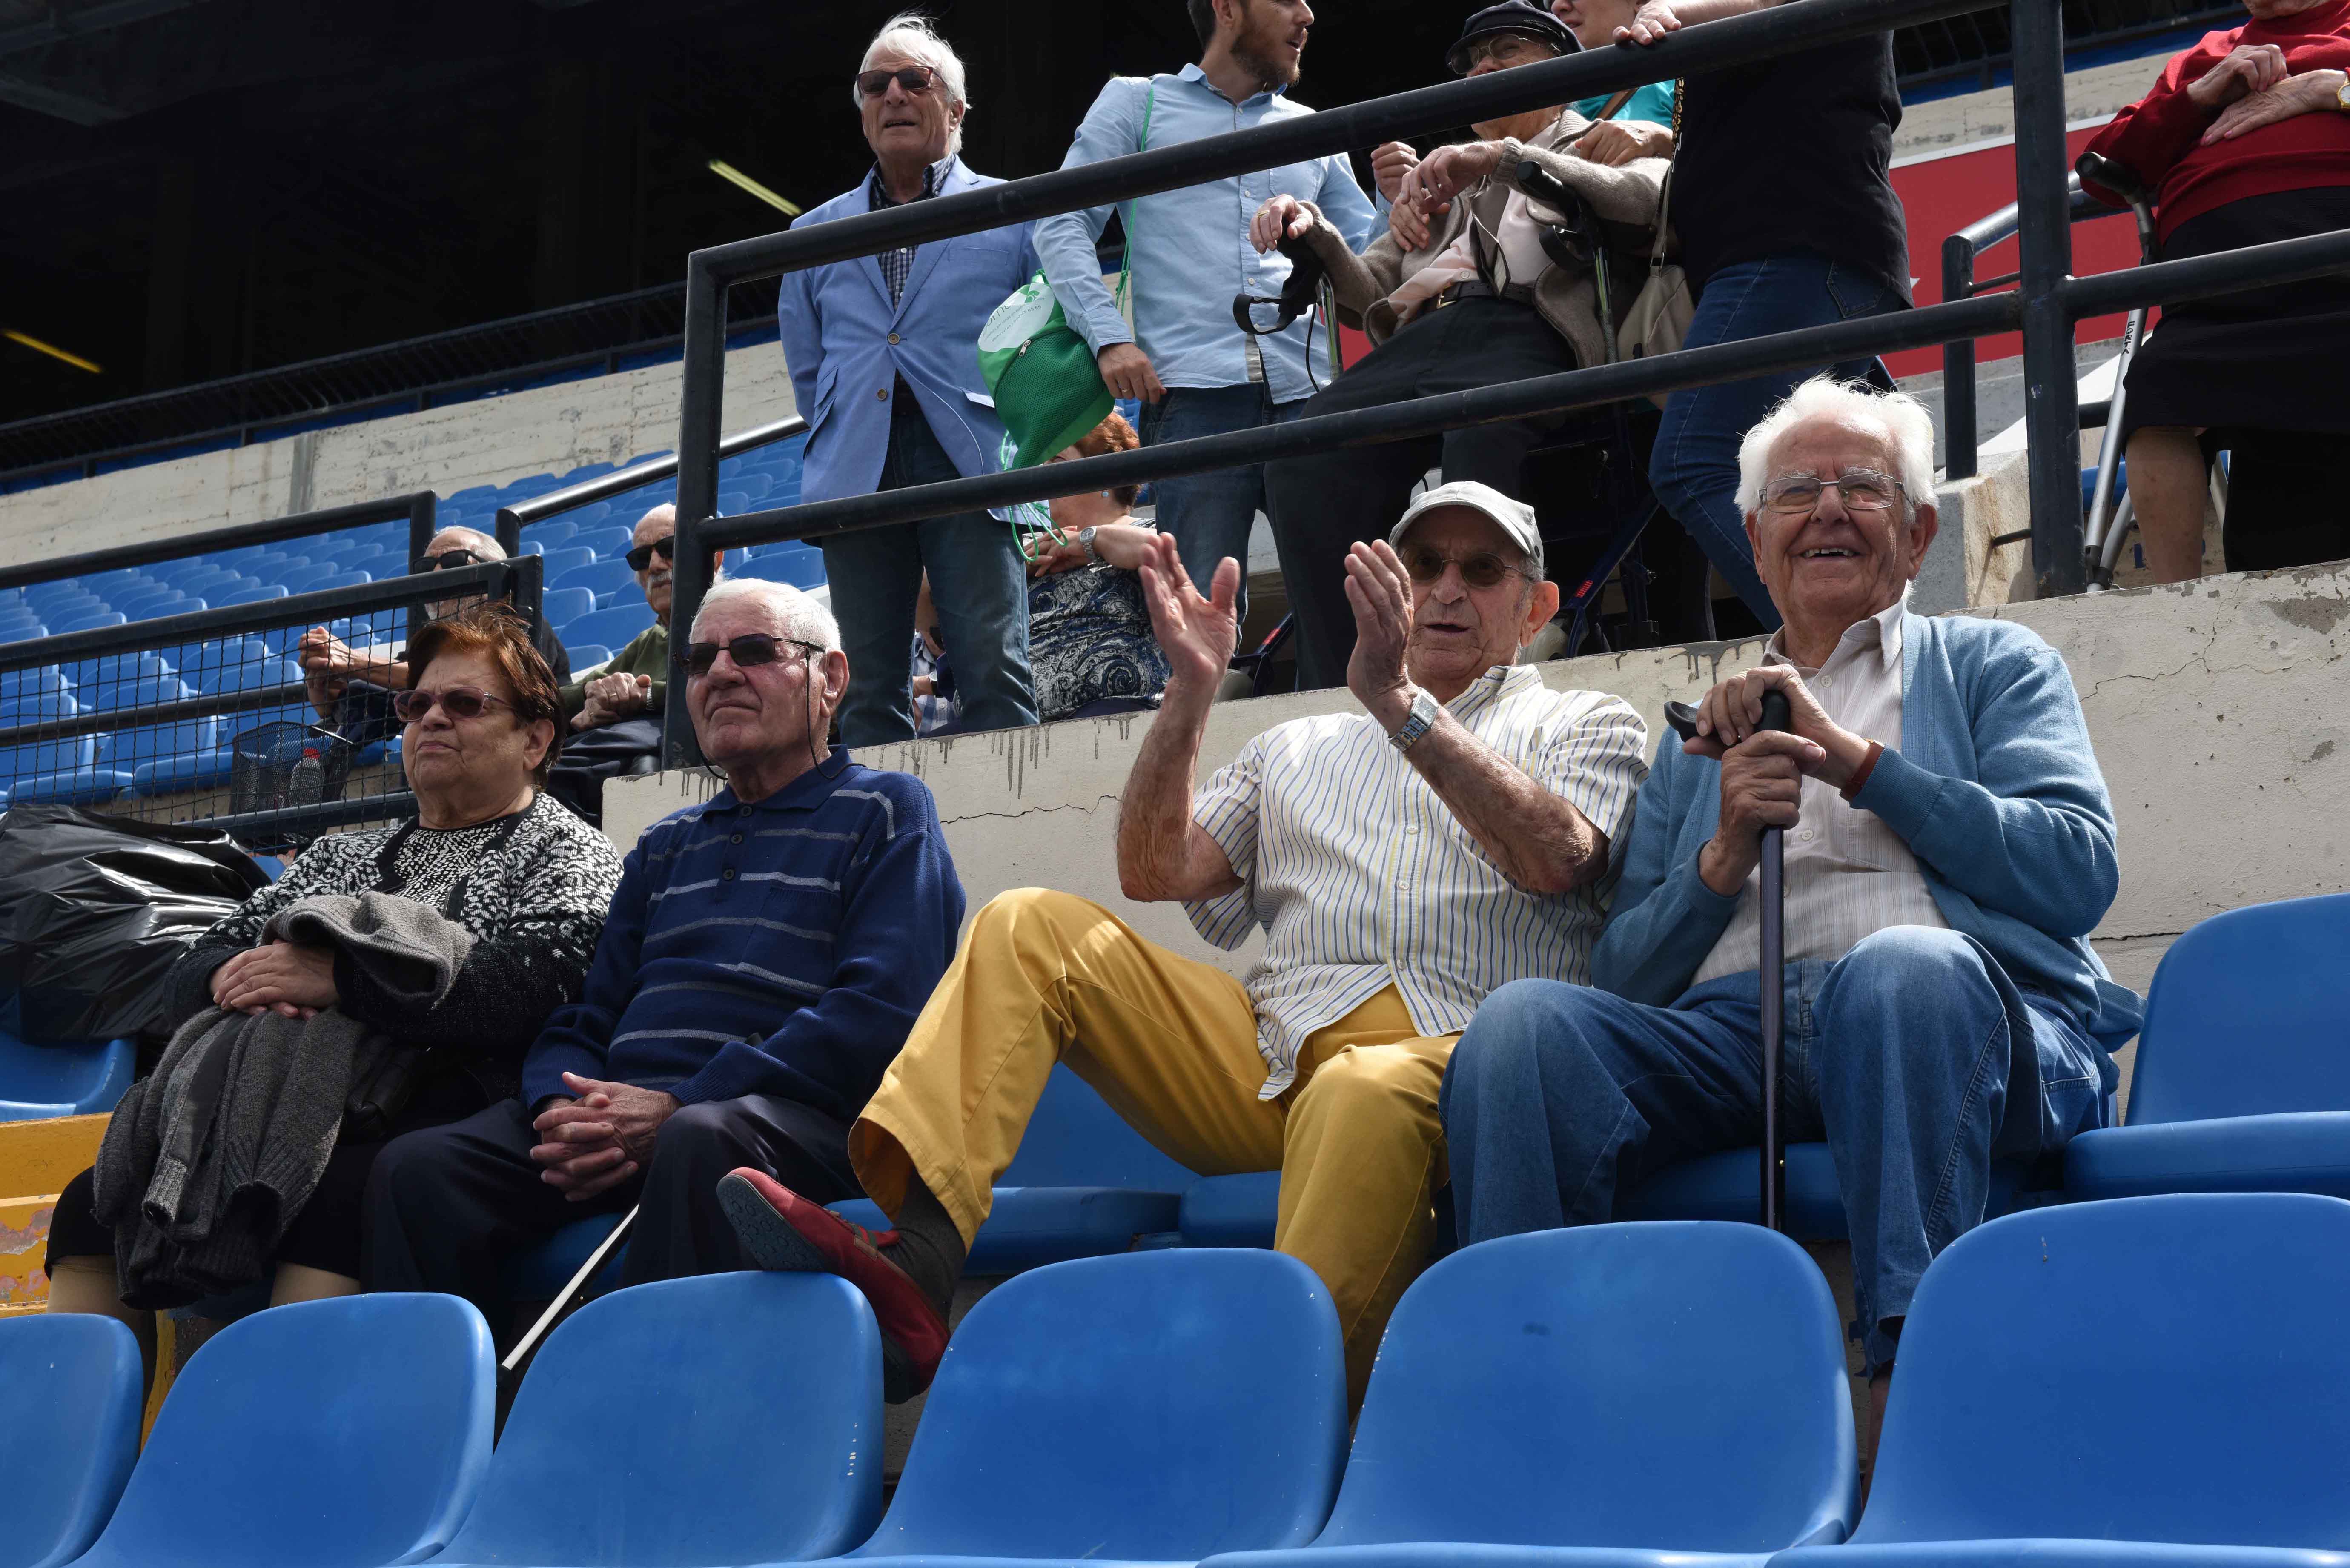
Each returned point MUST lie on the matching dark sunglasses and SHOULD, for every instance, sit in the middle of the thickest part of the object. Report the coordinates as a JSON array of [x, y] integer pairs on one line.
[[642, 555], [913, 78], [748, 652], [448, 560], [1482, 570], [457, 702]]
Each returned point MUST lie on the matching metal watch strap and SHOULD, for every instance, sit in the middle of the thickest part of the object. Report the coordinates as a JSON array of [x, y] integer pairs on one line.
[[1422, 719], [1086, 537]]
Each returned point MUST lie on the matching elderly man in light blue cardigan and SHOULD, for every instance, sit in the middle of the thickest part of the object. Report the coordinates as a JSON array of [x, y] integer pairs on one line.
[[1950, 846]]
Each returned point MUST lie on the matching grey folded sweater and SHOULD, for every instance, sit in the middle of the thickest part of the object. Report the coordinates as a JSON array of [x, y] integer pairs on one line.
[[207, 1160]]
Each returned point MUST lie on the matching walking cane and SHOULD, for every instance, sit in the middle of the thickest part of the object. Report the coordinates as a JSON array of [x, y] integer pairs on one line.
[[570, 1294], [1773, 897]]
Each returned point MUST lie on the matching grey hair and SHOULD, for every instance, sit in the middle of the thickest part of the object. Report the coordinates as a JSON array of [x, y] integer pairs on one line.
[[798, 616], [1906, 421], [481, 545], [916, 36]]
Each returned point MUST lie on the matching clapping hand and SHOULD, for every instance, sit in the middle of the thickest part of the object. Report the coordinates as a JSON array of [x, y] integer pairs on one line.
[[1198, 635], [1379, 593], [1444, 174]]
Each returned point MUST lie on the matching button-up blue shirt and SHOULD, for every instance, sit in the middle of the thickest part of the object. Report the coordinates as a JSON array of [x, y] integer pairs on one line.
[[1191, 247]]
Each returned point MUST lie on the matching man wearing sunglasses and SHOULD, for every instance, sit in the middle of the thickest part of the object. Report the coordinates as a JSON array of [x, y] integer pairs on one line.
[[1467, 289], [1402, 860], [1949, 844], [884, 358], [764, 954], [634, 682]]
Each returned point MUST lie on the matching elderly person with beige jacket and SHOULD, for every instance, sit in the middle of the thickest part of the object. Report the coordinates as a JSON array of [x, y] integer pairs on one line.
[[1460, 293]]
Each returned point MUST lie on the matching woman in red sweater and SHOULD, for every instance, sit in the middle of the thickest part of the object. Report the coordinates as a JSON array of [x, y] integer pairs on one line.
[[2244, 140]]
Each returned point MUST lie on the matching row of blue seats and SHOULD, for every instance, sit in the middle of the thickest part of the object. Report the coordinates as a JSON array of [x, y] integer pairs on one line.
[[2151, 1381]]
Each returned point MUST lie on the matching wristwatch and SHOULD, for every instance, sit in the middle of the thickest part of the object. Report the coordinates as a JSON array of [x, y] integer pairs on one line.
[[1086, 537], [1422, 719], [2342, 93]]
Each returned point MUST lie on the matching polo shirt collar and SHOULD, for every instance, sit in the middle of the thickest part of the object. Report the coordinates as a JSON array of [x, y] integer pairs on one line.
[[806, 792]]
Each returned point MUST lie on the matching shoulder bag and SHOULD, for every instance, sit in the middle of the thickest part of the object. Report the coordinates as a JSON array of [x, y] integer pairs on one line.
[[1658, 321]]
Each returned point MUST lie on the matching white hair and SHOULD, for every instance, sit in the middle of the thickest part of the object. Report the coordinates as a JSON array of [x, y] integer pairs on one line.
[[480, 543], [796, 616], [1906, 425], [916, 36]]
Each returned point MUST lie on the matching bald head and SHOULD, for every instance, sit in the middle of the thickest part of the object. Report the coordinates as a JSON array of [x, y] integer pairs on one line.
[[484, 548]]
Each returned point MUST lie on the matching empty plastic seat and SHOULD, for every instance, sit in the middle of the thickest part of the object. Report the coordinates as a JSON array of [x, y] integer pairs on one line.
[[801, 569], [74, 1079], [253, 594], [567, 558], [585, 656], [1153, 1407], [609, 542], [90, 620], [138, 747], [1612, 1397], [2151, 1380], [694, 1363], [73, 1388], [252, 672], [354, 1431], [561, 606], [93, 677], [2242, 1077], [181, 771], [1231, 1211], [599, 577], [138, 692], [614, 627], [47, 681], [551, 533], [89, 784], [1084, 1184]]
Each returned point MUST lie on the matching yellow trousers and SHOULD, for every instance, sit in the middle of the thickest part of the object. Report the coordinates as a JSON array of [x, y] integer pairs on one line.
[[1171, 1044]]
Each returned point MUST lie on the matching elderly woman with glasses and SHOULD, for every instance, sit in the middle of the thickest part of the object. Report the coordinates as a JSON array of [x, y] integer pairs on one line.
[[528, 883]]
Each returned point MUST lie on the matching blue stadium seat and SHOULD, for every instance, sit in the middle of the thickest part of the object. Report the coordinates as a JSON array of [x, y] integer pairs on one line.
[[801, 569], [94, 677], [143, 746], [85, 784], [1082, 1184], [2242, 1077], [1613, 1396], [253, 594], [694, 1363], [250, 673], [586, 656], [563, 606], [1728, 1186], [111, 691], [551, 533], [2146, 1381], [47, 681], [614, 627], [76, 1079], [353, 1431], [599, 577], [88, 620], [539, 1273], [608, 542], [19, 765], [1231, 1211], [74, 1387], [1154, 1407], [180, 772]]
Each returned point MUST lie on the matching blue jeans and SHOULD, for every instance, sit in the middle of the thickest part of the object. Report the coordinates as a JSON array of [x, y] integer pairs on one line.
[[1914, 1056], [1209, 513], [1694, 466], [977, 581]]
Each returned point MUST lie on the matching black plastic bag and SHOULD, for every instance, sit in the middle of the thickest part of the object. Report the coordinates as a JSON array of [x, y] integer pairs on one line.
[[93, 910]]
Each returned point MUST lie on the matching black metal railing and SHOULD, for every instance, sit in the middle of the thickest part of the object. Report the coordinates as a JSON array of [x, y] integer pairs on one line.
[[419, 509], [244, 683], [596, 336], [2044, 305]]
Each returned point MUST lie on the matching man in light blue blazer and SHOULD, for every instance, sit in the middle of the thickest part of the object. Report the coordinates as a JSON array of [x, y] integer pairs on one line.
[[1949, 846], [884, 356]]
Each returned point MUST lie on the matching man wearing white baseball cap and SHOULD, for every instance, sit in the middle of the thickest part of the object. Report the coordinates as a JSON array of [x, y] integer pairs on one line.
[[1404, 860]]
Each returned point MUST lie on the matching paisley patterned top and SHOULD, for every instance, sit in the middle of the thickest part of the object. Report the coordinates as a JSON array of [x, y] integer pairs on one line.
[[1089, 638]]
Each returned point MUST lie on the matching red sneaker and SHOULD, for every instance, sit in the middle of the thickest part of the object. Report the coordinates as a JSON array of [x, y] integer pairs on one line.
[[784, 1232]]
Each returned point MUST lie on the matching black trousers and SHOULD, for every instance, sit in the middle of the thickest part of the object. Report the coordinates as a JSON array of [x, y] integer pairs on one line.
[[1321, 505], [446, 1206]]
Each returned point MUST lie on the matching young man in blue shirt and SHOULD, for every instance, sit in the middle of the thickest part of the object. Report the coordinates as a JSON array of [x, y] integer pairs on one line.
[[765, 954], [1196, 372]]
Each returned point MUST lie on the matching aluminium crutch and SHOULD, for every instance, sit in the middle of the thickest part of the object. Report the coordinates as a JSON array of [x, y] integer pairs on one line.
[[569, 1295], [1772, 897]]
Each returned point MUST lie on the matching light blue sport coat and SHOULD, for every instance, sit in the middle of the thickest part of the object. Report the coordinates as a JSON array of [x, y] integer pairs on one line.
[[847, 344], [1995, 789]]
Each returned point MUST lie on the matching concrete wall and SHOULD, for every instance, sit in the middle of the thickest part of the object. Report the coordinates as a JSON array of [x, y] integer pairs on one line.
[[494, 441], [2215, 707]]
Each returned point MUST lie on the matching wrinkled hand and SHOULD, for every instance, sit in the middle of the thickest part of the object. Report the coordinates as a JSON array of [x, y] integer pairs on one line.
[[2246, 68], [1127, 371], [621, 695], [1380, 596], [1390, 162], [295, 982], [1616, 143], [1650, 24], [1733, 711], [2313, 90], [1408, 225], [600, 1138], [322, 651], [1449, 170], [1063, 555], [1198, 635], [324, 690], [1762, 786], [1280, 218]]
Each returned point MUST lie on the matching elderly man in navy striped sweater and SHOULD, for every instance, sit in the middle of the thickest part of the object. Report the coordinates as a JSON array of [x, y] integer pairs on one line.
[[1403, 861], [765, 957]]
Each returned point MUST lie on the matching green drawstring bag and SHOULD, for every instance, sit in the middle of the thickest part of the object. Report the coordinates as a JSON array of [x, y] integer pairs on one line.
[[1047, 385]]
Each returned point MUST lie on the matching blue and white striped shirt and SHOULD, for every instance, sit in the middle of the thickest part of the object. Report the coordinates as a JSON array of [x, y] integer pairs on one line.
[[1362, 879]]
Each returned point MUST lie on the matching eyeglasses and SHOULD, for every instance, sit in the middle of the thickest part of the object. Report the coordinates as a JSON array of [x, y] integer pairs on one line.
[[1482, 570], [748, 652], [448, 560], [1862, 488], [457, 702], [1503, 50], [913, 78], [642, 555]]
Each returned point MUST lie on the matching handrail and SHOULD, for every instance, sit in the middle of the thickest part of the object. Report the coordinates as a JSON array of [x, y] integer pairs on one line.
[[418, 508], [587, 492]]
